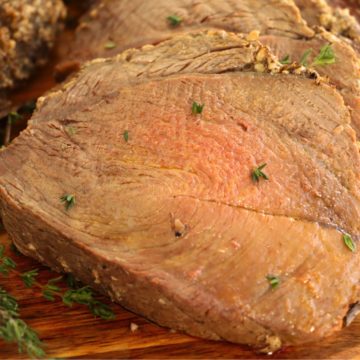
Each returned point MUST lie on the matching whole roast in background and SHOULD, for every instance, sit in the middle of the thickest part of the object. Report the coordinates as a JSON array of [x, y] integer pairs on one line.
[[28, 29]]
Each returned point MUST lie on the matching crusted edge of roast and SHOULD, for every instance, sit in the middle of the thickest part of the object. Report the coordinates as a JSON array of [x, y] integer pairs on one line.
[[263, 60]]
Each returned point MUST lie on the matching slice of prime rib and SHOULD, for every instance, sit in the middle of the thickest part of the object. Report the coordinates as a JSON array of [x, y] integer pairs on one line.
[[112, 26], [168, 220]]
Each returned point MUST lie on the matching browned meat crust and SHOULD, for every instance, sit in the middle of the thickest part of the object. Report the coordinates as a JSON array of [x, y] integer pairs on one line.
[[27, 31], [335, 19]]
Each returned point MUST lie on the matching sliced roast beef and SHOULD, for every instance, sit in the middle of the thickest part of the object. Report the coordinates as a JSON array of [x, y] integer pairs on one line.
[[145, 176], [344, 73], [115, 25]]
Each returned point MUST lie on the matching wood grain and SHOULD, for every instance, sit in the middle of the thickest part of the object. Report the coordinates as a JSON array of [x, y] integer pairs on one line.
[[75, 333]]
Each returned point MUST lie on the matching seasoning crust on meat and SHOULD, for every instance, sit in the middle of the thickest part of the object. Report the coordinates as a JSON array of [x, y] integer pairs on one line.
[[27, 31]]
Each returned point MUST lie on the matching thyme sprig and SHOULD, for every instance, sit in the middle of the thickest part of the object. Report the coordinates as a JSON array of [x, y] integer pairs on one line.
[[197, 108], [258, 173], [29, 277], [286, 60], [68, 200], [174, 20], [349, 242], [110, 45], [77, 293], [274, 281], [6, 263], [305, 57], [325, 57], [15, 330]]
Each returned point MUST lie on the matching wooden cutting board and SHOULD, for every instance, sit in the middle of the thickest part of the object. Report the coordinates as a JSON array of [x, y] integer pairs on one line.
[[75, 333]]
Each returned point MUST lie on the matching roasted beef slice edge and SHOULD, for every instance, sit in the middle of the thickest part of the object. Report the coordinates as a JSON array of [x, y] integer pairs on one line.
[[280, 24]]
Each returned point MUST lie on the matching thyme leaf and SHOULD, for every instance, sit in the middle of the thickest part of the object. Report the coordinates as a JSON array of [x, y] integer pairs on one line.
[[84, 296], [6, 263], [174, 20], [110, 45], [273, 280], [29, 277], [349, 242], [258, 173], [72, 282], [285, 60], [68, 200], [101, 310], [50, 290], [325, 57], [305, 57], [196, 108], [15, 330]]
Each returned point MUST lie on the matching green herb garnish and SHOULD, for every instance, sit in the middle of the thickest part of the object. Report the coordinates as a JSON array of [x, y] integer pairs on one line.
[[68, 200], [197, 108], [273, 280], [50, 290], [84, 296], [72, 282], [325, 57], [349, 242], [6, 264], [258, 173], [29, 277], [305, 57], [286, 60], [110, 45], [126, 135], [174, 20], [15, 330]]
